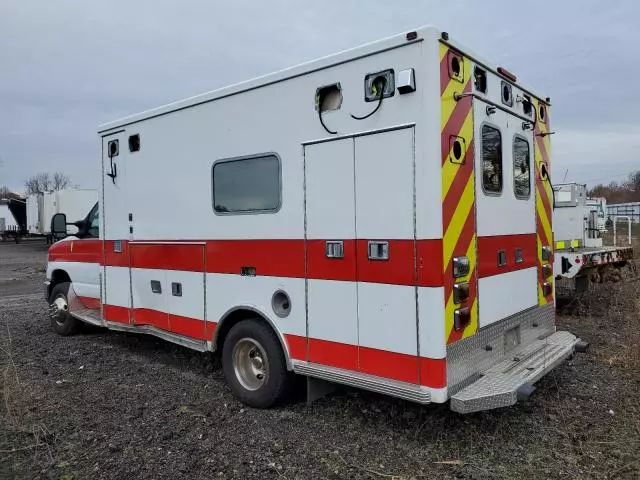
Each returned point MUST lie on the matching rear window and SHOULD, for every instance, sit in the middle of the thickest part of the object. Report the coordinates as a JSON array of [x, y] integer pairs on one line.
[[245, 185], [521, 168], [491, 160]]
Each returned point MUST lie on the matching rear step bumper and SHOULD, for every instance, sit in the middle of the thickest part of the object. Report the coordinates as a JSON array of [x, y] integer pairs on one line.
[[499, 385]]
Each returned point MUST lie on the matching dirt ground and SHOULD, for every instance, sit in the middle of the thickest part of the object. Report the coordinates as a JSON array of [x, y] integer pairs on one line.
[[103, 405]]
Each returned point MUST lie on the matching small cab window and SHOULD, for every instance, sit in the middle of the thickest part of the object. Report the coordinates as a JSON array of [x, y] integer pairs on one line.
[[491, 160], [249, 184], [521, 168], [94, 227]]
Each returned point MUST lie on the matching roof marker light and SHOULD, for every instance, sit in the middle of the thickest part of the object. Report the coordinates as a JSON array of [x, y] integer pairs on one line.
[[507, 74]]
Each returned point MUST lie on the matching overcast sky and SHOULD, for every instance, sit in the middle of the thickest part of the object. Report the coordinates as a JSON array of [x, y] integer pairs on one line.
[[67, 66]]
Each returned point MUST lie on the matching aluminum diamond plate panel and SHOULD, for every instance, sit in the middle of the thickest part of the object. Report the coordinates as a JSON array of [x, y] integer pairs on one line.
[[499, 386], [468, 359]]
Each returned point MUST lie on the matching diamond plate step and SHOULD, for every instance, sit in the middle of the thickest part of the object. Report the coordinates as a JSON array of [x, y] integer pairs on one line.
[[499, 385]]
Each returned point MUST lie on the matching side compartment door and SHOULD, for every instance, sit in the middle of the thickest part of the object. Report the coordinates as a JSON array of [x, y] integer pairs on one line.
[[186, 286], [386, 265], [115, 235], [332, 309], [505, 215]]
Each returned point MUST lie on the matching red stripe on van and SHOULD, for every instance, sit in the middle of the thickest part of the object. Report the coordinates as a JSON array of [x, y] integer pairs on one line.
[[489, 246], [381, 363], [114, 313], [409, 263], [90, 302]]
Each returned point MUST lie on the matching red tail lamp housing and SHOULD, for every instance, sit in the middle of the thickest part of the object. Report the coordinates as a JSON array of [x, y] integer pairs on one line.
[[461, 318]]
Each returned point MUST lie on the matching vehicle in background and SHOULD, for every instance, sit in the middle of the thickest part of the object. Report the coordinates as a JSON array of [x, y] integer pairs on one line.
[[12, 218], [599, 205], [580, 254], [380, 218], [41, 207]]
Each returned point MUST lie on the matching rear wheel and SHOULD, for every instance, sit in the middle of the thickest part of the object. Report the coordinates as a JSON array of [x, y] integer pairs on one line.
[[254, 364], [61, 320]]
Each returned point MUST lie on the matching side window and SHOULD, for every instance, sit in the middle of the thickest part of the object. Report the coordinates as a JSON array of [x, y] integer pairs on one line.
[[245, 185], [521, 168], [491, 160], [94, 229]]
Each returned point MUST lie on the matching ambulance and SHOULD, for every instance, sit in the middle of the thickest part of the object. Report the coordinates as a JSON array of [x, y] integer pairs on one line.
[[380, 218]]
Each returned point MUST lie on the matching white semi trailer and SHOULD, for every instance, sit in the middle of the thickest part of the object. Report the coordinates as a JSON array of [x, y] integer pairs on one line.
[[41, 207]]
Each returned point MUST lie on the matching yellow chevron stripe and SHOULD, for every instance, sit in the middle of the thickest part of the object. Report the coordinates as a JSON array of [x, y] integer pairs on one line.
[[465, 204], [447, 101], [458, 219], [544, 219], [449, 169]]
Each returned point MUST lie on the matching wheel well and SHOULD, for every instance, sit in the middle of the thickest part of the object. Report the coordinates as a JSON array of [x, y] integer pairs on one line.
[[58, 276], [236, 316]]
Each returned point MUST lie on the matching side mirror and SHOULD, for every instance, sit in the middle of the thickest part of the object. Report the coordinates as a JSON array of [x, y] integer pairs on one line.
[[59, 225]]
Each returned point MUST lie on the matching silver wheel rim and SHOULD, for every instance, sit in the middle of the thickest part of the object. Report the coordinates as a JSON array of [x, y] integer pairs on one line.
[[59, 309], [250, 363]]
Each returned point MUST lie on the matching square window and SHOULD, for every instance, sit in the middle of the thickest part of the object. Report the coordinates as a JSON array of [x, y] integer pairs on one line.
[[246, 185]]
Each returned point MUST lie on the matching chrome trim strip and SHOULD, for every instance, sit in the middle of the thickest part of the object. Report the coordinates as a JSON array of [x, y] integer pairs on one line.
[[199, 345], [406, 391], [88, 318]]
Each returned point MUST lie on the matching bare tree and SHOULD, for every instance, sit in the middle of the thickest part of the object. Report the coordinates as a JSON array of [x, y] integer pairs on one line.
[[60, 181], [6, 193], [46, 182]]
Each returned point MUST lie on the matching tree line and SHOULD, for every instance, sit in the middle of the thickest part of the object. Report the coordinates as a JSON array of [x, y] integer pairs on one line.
[[623, 192], [39, 183]]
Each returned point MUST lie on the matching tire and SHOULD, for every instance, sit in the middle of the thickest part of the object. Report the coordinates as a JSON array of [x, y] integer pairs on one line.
[[251, 349], [62, 322]]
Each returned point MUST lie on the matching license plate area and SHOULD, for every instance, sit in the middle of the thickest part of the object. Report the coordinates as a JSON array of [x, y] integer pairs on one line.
[[512, 339]]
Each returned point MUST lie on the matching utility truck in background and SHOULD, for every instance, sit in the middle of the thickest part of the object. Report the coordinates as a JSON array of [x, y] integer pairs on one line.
[[599, 205], [41, 207], [579, 225], [380, 218]]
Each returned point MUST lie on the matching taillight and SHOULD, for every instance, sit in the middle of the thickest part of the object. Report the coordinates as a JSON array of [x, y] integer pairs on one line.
[[461, 267], [460, 292], [461, 318], [547, 270], [547, 289], [546, 253]]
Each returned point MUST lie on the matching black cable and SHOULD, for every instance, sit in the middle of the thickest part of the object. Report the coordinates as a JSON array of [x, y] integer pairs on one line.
[[547, 177], [382, 82], [321, 101]]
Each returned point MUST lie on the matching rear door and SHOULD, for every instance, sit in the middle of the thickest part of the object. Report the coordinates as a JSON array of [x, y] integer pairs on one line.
[[505, 210]]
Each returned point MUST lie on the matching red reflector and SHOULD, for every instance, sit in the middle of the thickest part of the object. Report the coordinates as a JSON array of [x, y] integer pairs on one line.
[[577, 259], [506, 73], [412, 36]]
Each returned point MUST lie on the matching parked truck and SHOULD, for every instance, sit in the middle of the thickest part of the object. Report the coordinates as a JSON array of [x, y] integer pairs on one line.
[[581, 256], [380, 218], [41, 207]]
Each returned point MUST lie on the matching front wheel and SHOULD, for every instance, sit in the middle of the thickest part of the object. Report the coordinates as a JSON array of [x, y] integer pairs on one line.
[[254, 364], [61, 320]]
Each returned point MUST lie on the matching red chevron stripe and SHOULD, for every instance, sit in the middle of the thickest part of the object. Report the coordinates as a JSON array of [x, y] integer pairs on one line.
[[543, 195], [455, 122], [462, 245], [444, 73], [452, 199]]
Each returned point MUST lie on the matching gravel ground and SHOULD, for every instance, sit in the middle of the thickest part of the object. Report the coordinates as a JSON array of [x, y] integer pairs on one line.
[[103, 405]]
